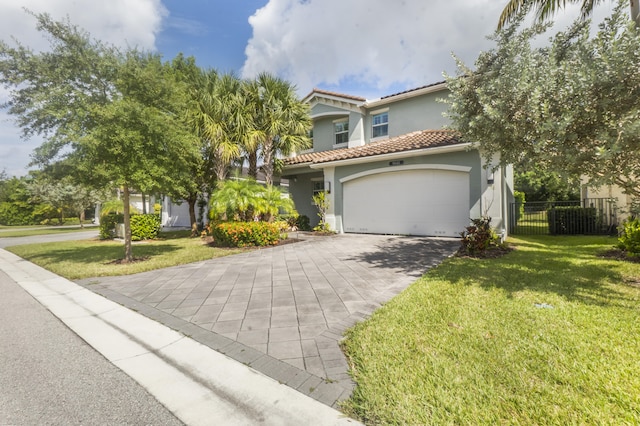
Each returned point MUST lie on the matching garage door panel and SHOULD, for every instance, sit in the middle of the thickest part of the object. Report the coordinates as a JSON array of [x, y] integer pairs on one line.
[[414, 202]]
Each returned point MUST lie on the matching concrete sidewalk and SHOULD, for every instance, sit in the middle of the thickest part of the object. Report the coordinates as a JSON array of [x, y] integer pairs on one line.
[[197, 384]]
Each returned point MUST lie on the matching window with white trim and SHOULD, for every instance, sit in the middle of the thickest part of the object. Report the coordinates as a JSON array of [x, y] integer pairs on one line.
[[341, 131], [380, 125]]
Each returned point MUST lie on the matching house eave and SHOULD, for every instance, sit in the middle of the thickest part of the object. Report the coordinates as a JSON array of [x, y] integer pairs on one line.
[[430, 89], [296, 165], [393, 156]]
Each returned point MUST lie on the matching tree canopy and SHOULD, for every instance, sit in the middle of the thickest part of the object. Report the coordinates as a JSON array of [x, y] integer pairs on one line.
[[571, 106], [545, 9], [113, 115]]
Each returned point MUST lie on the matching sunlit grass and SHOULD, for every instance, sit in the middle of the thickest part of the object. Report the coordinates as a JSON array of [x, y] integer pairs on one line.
[[547, 334], [93, 258]]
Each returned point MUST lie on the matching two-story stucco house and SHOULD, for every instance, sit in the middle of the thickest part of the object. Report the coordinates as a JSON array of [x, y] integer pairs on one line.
[[388, 166]]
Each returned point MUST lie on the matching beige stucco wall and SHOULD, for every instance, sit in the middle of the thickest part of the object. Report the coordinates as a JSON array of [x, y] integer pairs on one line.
[[608, 191]]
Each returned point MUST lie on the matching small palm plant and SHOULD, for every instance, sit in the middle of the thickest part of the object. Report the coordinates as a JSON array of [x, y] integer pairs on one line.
[[244, 200], [272, 201], [235, 199], [321, 201]]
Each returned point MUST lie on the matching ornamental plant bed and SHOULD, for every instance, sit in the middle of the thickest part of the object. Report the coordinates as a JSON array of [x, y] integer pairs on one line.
[[622, 255], [209, 241], [490, 253]]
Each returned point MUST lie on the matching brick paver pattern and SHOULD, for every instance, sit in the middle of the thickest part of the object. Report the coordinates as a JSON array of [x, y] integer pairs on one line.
[[291, 303]]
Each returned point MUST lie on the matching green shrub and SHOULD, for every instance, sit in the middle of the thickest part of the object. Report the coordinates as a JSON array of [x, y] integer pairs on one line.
[[519, 200], [478, 237], [629, 239], [299, 222], [16, 213], [243, 234], [144, 226], [108, 224], [572, 220]]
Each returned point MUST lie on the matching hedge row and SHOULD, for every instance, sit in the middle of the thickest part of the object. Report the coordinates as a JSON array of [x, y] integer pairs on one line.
[[572, 220], [143, 226], [243, 234]]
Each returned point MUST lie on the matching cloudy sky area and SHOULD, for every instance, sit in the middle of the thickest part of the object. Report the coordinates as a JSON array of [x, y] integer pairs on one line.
[[368, 48]]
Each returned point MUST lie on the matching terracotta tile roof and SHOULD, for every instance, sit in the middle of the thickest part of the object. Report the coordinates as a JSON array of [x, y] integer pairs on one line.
[[339, 95], [413, 90], [311, 157], [407, 142]]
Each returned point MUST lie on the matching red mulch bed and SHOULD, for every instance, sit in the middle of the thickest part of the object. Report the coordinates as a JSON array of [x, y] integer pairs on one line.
[[618, 254], [491, 253], [122, 261]]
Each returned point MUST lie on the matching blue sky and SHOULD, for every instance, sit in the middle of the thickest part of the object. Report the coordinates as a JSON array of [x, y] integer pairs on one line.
[[368, 48]]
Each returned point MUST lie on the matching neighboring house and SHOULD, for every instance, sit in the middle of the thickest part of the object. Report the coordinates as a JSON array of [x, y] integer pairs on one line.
[[389, 167], [621, 203]]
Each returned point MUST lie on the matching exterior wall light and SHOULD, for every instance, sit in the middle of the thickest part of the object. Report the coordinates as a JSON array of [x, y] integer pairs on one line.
[[490, 177], [327, 187]]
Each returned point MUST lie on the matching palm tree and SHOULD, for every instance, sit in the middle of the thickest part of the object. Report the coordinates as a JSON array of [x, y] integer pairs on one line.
[[280, 121], [546, 8], [220, 121]]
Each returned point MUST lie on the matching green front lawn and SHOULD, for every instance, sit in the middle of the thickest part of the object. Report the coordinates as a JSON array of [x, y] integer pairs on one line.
[[547, 334], [91, 258]]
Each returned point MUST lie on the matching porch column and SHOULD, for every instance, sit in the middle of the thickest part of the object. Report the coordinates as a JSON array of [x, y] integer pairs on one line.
[[335, 222]]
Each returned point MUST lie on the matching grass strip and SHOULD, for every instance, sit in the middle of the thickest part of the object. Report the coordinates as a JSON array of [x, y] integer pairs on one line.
[[91, 258]]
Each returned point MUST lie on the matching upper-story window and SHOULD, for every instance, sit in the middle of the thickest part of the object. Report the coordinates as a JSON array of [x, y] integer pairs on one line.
[[341, 131], [380, 125]]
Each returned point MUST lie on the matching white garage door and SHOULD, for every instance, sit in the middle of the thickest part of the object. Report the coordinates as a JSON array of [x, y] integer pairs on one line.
[[410, 202]]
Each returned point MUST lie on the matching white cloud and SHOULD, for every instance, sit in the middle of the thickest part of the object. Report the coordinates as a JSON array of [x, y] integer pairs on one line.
[[371, 43], [121, 22], [125, 23]]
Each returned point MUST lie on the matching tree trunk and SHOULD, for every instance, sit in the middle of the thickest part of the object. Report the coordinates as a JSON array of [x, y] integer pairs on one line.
[[267, 158], [144, 204], [192, 199], [253, 165], [81, 217], [635, 11], [128, 254]]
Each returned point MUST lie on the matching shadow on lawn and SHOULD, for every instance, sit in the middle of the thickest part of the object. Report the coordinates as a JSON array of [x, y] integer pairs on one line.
[[103, 253], [567, 274], [411, 255]]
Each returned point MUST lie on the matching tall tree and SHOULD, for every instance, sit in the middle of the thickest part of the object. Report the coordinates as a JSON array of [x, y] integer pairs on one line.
[[545, 9], [281, 121], [192, 180], [215, 114], [571, 106], [64, 195], [222, 121], [113, 114]]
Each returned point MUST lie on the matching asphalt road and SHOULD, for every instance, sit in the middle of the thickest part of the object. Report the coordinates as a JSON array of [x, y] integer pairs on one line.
[[69, 236], [48, 375]]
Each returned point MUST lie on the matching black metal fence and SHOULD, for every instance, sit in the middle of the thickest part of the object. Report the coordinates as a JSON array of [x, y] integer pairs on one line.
[[587, 216]]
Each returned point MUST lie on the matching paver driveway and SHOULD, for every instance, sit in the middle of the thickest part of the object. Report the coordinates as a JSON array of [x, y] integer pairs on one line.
[[283, 310]]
